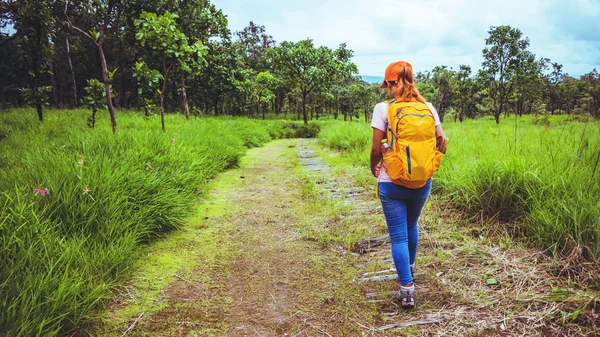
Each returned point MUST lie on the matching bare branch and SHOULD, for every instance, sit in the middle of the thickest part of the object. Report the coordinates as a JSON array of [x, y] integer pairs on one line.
[[75, 27]]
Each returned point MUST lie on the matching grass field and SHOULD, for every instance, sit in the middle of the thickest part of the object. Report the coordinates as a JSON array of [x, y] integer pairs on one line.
[[538, 181], [77, 203]]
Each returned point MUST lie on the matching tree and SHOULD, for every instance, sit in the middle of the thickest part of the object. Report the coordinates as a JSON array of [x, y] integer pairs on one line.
[[527, 82], [424, 83], [362, 98], [591, 85], [253, 42], [37, 97], [243, 84], [100, 11], [308, 68], [94, 99], [32, 20], [443, 79], [65, 30], [501, 62], [464, 93], [262, 90], [215, 83], [556, 78], [147, 85], [572, 91], [162, 35]]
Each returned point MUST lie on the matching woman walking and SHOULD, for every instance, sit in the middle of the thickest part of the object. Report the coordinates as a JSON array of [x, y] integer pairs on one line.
[[408, 136]]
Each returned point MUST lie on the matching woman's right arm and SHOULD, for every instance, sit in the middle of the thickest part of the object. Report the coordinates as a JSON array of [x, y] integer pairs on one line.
[[378, 124], [376, 155]]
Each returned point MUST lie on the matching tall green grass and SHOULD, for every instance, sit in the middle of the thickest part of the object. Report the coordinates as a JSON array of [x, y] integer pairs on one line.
[[353, 139], [545, 179], [61, 253]]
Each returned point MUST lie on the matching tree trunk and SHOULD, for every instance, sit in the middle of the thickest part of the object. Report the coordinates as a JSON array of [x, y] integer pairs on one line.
[[54, 86], [139, 98], [118, 99], [498, 112], [38, 107], [34, 88], [162, 96], [93, 118], [304, 93], [2, 99], [111, 109], [122, 101], [73, 81], [186, 108]]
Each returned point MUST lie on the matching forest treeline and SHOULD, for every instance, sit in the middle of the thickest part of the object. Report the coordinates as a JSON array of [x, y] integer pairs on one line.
[[180, 56]]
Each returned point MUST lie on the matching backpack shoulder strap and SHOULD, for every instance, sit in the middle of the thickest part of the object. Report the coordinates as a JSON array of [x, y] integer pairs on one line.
[[390, 115]]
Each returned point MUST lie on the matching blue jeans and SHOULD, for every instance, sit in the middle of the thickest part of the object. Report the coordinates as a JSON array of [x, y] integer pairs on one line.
[[402, 208]]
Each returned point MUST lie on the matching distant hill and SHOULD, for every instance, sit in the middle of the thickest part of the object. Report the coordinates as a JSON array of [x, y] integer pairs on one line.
[[372, 79]]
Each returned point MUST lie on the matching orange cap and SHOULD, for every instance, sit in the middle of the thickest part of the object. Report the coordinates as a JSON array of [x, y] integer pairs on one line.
[[393, 71]]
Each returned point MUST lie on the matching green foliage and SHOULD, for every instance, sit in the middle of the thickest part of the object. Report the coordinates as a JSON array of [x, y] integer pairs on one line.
[[503, 57], [218, 70], [94, 99], [36, 96], [309, 68], [263, 87], [252, 43], [34, 18], [161, 33], [542, 118], [148, 82], [295, 130], [108, 194], [591, 85]]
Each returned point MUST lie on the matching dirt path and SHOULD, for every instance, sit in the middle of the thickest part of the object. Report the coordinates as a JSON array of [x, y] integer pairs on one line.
[[263, 277], [269, 255]]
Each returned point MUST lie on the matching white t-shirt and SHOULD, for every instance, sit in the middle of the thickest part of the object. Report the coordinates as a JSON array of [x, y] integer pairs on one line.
[[380, 123]]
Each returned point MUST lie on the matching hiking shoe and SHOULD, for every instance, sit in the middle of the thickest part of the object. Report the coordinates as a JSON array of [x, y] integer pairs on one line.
[[412, 271], [406, 296]]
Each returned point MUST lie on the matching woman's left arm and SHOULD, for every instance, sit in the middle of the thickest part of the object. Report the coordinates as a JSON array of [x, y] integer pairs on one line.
[[441, 138]]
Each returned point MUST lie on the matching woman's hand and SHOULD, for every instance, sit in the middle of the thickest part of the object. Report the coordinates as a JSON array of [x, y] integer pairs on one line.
[[375, 170], [441, 139]]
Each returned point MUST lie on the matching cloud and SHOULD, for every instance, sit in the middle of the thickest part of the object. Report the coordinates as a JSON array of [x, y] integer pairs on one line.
[[429, 33]]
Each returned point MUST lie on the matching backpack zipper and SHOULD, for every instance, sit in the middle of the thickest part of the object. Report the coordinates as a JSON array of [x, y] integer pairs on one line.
[[416, 115], [408, 159]]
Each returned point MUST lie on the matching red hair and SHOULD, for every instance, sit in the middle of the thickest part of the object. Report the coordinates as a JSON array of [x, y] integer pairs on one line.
[[404, 88]]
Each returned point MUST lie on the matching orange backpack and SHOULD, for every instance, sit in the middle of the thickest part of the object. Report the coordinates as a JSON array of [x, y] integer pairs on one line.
[[412, 157]]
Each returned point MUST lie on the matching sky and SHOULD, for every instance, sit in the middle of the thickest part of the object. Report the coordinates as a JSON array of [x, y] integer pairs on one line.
[[428, 33]]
